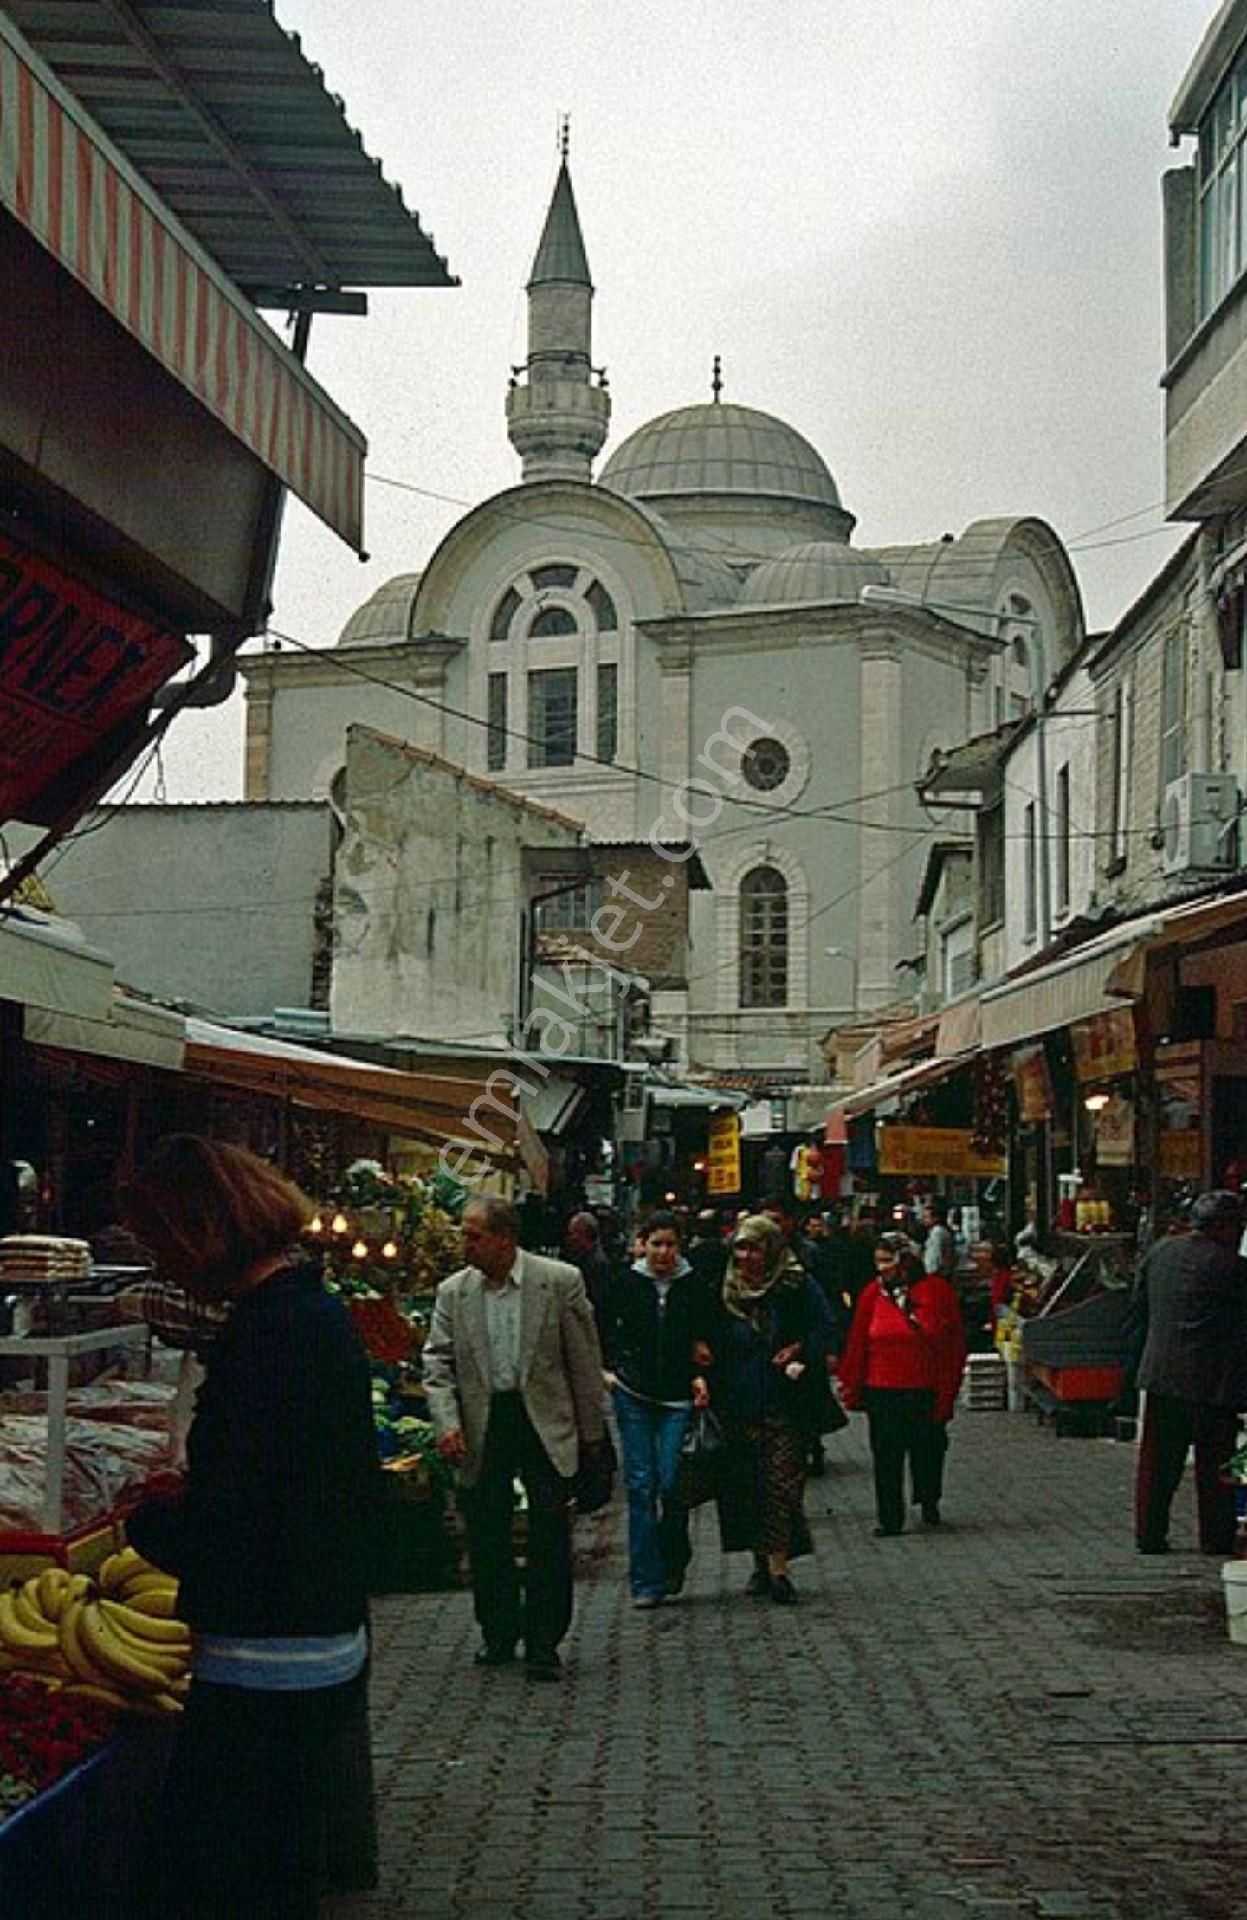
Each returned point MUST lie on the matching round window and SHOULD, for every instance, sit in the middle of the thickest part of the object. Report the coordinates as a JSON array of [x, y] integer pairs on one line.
[[766, 764]]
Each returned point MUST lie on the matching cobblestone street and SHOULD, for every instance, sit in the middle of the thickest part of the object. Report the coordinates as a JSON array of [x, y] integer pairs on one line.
[[1013, 1715]]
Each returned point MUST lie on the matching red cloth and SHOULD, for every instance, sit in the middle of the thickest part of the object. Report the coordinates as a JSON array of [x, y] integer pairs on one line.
[[1004, 1284], [886, 1349]]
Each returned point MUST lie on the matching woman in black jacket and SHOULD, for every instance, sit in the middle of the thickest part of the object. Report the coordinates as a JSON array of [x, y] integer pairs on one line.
[[653, 1326], [270, 1787]]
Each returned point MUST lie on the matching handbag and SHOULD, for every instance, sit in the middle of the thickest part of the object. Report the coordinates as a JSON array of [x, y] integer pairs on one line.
[[700, 1465], [595, 1475], [832, 1417]]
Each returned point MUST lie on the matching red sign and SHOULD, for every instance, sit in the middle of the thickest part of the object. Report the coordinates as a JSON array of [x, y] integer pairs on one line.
[[73, 668]]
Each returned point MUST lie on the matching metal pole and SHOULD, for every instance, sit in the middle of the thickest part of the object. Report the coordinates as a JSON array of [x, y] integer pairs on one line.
[[1040, 683]]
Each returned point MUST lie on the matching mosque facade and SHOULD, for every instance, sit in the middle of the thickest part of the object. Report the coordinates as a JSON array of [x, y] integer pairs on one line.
[[688, 648]]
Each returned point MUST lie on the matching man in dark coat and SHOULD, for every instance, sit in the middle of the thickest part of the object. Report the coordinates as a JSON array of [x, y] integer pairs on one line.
[[584, 1247], [1194, 1370]]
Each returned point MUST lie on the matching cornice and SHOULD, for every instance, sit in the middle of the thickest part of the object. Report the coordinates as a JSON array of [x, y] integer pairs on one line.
[[338, 667]]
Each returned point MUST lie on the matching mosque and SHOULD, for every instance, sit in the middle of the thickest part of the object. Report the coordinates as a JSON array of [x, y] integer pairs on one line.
[[689, 648]]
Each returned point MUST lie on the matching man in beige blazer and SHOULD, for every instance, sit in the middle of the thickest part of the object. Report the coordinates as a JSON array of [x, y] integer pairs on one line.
[[513, 1376]]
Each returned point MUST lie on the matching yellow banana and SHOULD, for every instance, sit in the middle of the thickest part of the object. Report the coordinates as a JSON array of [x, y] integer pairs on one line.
[[78, 1589], [144, 1627], [52, 1681], [52, 1585], [159, 1603], [15, 1633], [148, 1580], [156, 1706], [26, 1607], [78, 1662], [173, 1662], [118, 1566], [121, 1663], [99, 1691]]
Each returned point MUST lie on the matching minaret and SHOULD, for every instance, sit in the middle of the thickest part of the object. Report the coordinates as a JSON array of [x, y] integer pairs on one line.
[[558, 409]]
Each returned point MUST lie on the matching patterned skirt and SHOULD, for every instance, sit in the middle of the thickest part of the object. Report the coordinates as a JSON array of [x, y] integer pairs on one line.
[[761, 1501]]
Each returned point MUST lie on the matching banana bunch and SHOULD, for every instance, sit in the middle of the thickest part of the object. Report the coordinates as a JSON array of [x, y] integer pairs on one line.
[[119, 1642]]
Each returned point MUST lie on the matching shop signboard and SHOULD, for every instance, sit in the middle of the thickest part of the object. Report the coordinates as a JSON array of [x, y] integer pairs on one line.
[[949, 1150], [1114, 1134], [74, 667], [1034, 1085], [1105, 1046], [723, 1154]]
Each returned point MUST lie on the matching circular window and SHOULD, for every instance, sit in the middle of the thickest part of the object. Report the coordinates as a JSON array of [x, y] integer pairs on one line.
[[766, 764]]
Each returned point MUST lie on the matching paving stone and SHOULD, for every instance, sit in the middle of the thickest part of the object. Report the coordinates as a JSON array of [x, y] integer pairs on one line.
[[991, 1721]]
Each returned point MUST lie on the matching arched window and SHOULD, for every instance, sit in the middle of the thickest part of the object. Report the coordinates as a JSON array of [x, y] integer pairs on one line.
[[552, 621], [504, 613], [764, 939]]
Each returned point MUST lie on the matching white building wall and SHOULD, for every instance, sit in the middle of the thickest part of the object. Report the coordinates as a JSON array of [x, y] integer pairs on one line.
[[1065, 739]]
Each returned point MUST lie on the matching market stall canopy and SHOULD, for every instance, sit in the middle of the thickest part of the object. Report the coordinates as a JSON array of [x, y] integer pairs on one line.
[[132, 1030], [437, 1106], [42, 966], [894, 1086], [707, 1098], [219, 108]]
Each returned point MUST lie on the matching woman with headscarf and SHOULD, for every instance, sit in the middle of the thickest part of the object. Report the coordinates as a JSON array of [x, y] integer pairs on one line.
[[903, 1364], [768, 1384]]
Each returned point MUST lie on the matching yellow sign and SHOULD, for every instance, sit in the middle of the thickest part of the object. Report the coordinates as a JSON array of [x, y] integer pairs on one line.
[[723, 1154], [936, 1150]]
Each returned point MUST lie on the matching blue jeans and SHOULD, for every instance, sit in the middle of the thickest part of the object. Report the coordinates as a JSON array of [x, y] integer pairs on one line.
[[658, 1544]]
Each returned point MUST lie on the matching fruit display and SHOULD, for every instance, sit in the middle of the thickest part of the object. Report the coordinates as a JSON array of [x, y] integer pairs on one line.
[[114, 1640], [43, 1736]]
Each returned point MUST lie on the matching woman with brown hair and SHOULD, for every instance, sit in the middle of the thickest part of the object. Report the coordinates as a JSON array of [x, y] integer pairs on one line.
[[270, 1787], [768, 1385], [903, 1364]]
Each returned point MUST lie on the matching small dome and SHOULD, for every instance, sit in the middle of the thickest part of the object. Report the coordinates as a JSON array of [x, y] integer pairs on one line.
[[816, 572], [385, 617], [719, 449]]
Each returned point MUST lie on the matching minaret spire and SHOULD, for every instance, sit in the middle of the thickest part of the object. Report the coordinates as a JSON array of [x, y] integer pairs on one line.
[[716, 380], [558, 408]]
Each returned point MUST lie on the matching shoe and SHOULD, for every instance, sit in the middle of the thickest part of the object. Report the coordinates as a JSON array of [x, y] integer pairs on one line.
[[887, 1533], [758, 1585], [646, 1602], [783, 1593], [675, 1585], [543, 1666], [500, 1656], [1151, 1546], [818, 1465], [931, 1515], [1220, 1553]]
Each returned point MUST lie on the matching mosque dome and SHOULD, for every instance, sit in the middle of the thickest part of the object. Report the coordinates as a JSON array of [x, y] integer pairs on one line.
[[385, 617], [815, 572], [719, 448]]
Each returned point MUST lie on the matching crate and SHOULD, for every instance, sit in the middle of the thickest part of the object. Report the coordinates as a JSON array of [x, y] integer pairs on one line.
[[984, 1384], [82, 1551]]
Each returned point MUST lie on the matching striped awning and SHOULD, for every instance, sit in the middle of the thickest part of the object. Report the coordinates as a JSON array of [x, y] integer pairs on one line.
[[63, 179]]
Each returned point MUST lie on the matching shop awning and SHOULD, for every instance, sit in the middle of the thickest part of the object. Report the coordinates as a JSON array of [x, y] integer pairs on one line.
[[552, 1105], [81, 199], [436, 1107], [1075, 987], [895, 1086], [43, 968], [707, 1098], [135, 1031], [1184, 926]]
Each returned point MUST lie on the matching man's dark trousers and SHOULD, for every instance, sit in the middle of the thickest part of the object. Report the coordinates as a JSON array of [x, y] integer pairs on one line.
[[1170, 1426], [543, 1614]]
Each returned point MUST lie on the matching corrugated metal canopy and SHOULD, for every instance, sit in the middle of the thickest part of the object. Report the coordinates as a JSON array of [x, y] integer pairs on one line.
[[220, 110]]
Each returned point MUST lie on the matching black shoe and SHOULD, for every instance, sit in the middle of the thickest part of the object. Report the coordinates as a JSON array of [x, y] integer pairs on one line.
[[758, 1585], [543, 1666], [818, 1464], [1151, 1546], [783, 1593], [675, 1585], [887, 1533], [931, 1515], [500, 1656]]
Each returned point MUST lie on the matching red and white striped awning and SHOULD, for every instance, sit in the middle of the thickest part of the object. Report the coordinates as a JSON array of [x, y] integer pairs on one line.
[[83, 201]]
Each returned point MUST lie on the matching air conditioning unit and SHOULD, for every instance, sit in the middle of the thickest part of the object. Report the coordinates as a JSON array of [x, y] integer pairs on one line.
[[1199, 824]]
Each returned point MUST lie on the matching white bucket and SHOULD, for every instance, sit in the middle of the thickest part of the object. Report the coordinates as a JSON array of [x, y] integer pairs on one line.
[[1234, 1579]]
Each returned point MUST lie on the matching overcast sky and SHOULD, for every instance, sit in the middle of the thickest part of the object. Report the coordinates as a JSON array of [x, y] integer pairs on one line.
[[927, 237]]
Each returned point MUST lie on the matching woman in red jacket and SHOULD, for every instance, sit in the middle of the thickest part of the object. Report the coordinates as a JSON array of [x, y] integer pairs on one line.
[[903, 1363]]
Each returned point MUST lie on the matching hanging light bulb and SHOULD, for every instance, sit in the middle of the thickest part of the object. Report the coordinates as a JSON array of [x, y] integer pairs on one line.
[[1096, 1102], [360, 1250], [316, 1224], [340, 1223], [389, 1251]]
